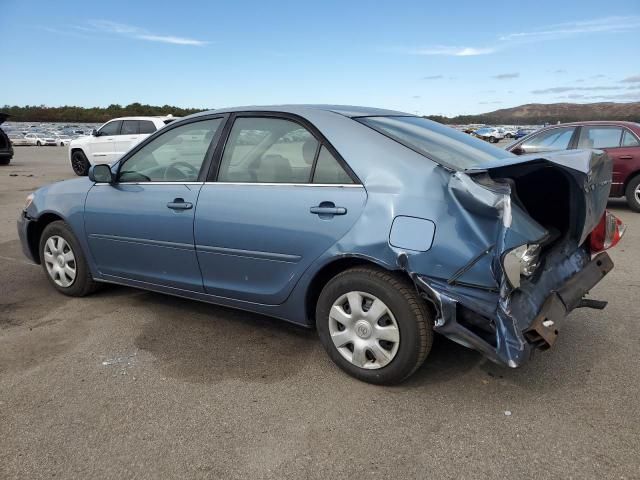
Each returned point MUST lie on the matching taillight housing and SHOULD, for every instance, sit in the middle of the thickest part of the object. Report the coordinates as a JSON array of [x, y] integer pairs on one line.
[[607, 233]]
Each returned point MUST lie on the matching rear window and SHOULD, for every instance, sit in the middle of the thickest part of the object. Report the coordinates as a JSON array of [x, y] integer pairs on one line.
[[440, 143], [146, 126]]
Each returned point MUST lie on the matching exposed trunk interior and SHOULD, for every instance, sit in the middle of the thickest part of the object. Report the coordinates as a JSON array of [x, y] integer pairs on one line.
[[545, 192]]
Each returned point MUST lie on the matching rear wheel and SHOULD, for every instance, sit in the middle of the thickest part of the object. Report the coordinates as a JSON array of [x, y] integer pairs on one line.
[[493, 140], [63, 261], [374, 325], [633, 194], [79, 163]]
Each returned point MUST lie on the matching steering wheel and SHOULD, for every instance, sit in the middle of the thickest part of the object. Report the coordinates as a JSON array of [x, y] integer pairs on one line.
[[173, 168]]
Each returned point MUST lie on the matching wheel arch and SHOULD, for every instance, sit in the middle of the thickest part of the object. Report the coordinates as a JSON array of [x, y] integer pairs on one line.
[[34, 232], [330, 270]]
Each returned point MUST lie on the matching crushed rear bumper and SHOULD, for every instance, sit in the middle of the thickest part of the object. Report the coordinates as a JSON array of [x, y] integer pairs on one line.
[[528, 319]]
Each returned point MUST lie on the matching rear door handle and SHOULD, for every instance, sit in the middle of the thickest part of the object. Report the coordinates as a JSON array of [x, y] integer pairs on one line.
[[328, 209], [625, 157], [179, 204]]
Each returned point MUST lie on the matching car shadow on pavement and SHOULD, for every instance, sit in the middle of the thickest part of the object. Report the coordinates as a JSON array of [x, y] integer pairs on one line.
[[202, 343]]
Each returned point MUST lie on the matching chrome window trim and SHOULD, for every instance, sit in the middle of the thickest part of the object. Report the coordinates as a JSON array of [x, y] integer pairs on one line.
[[342, 185], [149, 183]]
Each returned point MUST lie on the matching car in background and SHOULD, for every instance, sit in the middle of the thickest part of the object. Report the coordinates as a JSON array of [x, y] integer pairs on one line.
[[112, 140], [19, 140], [509, 132], [373, 226], [621, 141], [489, 134], [63, 140], [523, 132], [40, 139], [6, 148]]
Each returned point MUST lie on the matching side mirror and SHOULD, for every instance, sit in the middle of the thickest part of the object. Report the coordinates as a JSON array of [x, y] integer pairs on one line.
[[95, 133], [101, 174]]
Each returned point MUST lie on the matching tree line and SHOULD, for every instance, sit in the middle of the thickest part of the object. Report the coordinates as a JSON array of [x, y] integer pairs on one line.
[[535, 116], [73, 114]]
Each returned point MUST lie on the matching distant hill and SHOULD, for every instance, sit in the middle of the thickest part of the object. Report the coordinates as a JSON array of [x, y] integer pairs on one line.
[[539, 113]]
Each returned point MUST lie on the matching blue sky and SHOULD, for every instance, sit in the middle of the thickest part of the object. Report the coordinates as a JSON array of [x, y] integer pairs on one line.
[[417, 56]]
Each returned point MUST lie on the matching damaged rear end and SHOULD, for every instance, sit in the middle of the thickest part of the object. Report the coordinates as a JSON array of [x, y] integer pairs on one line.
[[546, 227]]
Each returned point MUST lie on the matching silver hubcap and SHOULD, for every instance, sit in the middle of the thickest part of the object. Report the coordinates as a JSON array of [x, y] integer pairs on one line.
[[60, 261], [637, 194], [364, 330]]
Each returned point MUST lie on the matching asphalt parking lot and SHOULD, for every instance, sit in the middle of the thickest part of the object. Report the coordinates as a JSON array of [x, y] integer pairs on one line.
[[129, 384]]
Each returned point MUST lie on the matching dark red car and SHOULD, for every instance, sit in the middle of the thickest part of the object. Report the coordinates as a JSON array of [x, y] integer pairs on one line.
[[621, 140]]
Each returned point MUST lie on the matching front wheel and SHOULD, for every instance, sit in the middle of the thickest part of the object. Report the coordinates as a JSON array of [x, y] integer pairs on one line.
[[38, 143], [63, 261], [374, 325], [79, 163], [632, 193]]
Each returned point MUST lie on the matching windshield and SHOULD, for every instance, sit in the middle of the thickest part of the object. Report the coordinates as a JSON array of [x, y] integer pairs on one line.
[[438, 142]]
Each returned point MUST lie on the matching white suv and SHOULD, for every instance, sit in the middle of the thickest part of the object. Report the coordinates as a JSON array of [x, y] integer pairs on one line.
[[112, 140]]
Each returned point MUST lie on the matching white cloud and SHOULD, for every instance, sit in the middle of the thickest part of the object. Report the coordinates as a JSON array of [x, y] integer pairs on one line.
[[131, 31], [570, 89], [171, 39], [506, 76], [451, 51], [551, 32], [561, 30], [632, 79]]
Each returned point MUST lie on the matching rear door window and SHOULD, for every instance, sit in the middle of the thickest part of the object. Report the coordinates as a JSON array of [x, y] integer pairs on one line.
[[146, 126], [268, 150], [328, 169], [600, 137], [629, 139], [129, 127]]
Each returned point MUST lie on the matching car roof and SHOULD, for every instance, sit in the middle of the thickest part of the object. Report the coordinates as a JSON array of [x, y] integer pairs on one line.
[[142, 117], [621, 123], [350, 111]]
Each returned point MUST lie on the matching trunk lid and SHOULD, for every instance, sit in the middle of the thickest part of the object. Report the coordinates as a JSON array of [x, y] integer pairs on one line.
[[588, 174]]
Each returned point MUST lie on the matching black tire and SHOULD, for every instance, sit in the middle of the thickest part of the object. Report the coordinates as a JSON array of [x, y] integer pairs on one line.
[[79, 163], [630, 192], [5, 161], [415, 323], [38, 143], [83, 284], [493, 140]]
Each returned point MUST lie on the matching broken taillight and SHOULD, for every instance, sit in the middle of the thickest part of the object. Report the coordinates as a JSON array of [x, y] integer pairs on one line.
[[607, 233]]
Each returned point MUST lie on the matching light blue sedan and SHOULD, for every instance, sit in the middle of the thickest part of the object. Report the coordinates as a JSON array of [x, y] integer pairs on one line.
[[376, 227]]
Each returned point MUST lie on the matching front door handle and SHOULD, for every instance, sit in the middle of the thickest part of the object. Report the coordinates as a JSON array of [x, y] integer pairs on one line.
[[625, 157], [179, 204], [327, 209]]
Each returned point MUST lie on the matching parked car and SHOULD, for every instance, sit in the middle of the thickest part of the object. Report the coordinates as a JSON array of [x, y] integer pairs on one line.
[[112, 140], [40, 139], [6, 148], [621, 141], [376, 227], [18, 139], [490, 134], [63, 140], [523, 132], [509, 132]]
